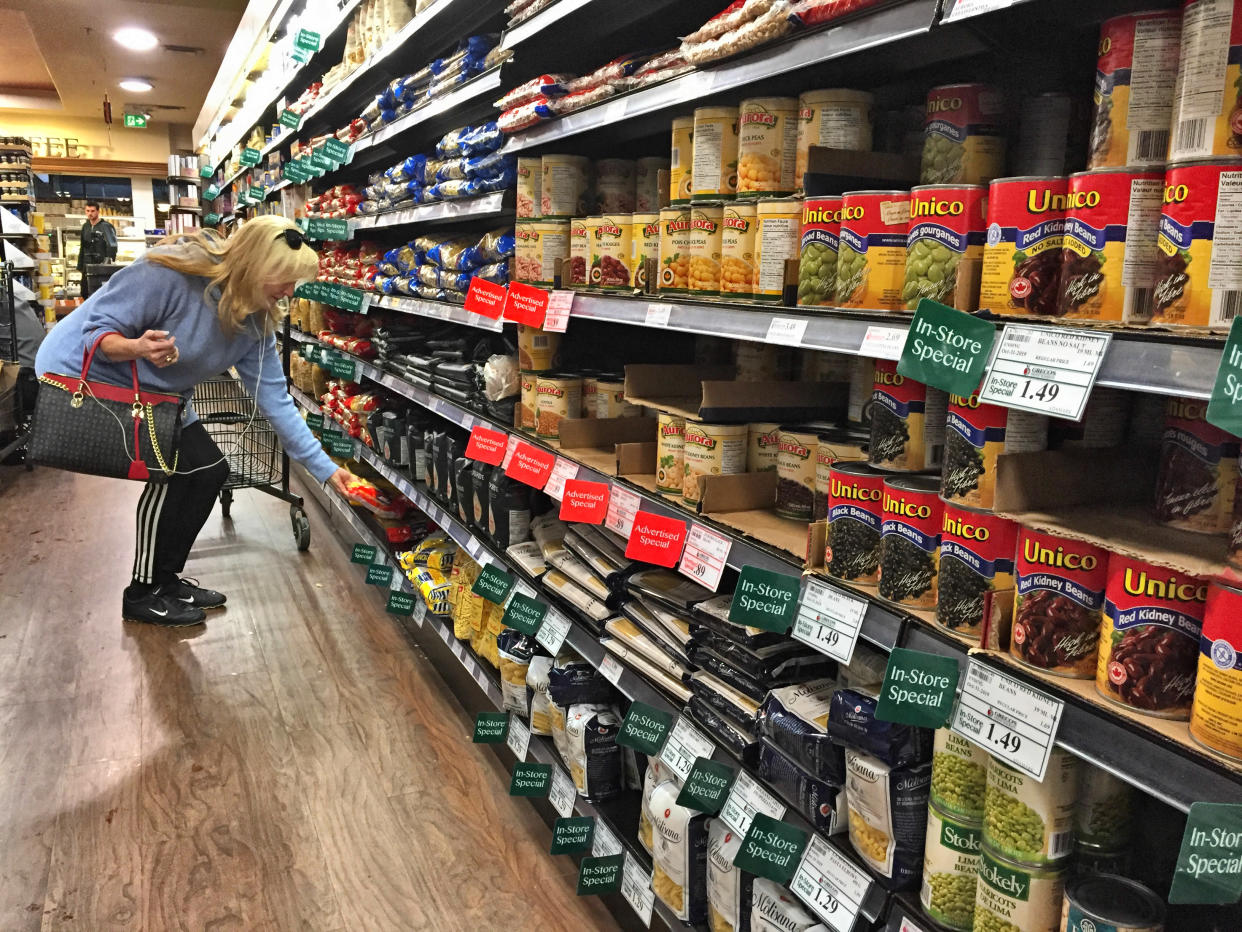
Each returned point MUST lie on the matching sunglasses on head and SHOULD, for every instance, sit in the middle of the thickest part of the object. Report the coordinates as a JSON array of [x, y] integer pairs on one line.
[[294, 238]]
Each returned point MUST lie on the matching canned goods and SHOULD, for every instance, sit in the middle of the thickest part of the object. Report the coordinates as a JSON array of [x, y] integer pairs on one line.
[[614, 186], [974, 438], [714, 169], [1017, 896], [1149, 637], [564, 186], [610, 400], [910, 540], [538, 350], [817, 265], [946, 232], [610, 257], [959, 775], [950, 869], [795, 470], [855, 517], [1051, 136], [1216, 716], [647, 183], [670, 467], [1109, 256], [1207, 101], [1197, 481], [1022, 247], [1104, 810], [711, 450], [557, 396], [526, 407], [679, 172], [907, 421], [818, 366], [705, 239], [871, 258], [767, 140], [963, 140], [976, 564], [529, 183], [591, 226], [675, 249], [1030, 821], [589, 387], [1092, 859], [1198, 284], [539, 246], [1134, 80], [777, 223], [832, 448], [739, 276], [579, 254], [762, 447], [1060, 596], [832, 119], [1108, 903], [644, 245]]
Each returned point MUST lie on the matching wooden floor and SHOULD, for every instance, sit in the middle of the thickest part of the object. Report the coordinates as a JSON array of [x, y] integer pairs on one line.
[[296, 765]]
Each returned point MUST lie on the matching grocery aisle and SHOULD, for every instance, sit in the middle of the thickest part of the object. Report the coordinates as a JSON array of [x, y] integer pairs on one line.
[[294, 765]]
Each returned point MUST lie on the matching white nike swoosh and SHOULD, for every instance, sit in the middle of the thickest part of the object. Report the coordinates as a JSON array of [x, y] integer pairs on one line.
[[190, 600], [155, 611]]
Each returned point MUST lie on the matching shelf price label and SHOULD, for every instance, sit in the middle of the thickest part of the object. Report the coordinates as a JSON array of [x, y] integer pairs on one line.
[[685, 745], [584, 502], [556, 315], [765, 600], [705, 557], [379, 574], [1209, 863], [787, 331], [1225, 408], [493, 584], [1045, 370], [829, 620], [656, 539], [946, 348], [490, 727], [572, 833], [363, 554], [771, 848], [658, 315], [524, 614], [622, 507], [745, 800], [918, 688], [831, 884], [600, 875], [562, 471], [707, 786], [530, 779], [611, 669], [518, 737], [1014, 722], [645, 728], [562, 794], [636, 888], [552, 633], [486, 446], [883, 343], [401, 603]]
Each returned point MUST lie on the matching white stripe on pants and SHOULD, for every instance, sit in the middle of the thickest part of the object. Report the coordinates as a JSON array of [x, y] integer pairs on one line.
[[150, 505]]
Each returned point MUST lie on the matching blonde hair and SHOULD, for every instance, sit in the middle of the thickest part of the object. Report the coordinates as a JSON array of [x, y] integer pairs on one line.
[[238, 268]]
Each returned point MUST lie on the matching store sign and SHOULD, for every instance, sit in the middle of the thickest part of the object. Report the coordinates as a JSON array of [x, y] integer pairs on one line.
[[530, 465], [135, 121], [764, 599], [490, 727], [600, 875], [250, 157], [400, 603], [305, 39], [324, 229], [362, 553], [946, 348], [211, 220], [493, 584], [486, 298], [290, 119], [1225, 408], [524, 614], [707, 786], [530, 779], [1209, 865], [1045, 370], [486, 446], [584, 502], [918, 688], [771, 848], [206, 172], [1012, 721], [644, 729], [572, 834], [656, 539], [379, 574], [339, 445], [211, 193], [256, 194], [829, 619], [526, 304]]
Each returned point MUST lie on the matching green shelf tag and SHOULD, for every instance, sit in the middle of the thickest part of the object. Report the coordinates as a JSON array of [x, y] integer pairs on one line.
[[771, 848], [573, 833], [211, 193], [343, 368], [305, 39], [1225, 407], [490, 727], [946, 348], [400, 603], [363, 553], [211, 220], [1209, 865], [707, 786], [321, 160], [206, 172], [600, 875], [324, 229], [256, 194], [644, 729], [530, 779], [524, 614], [336, 150], [340, 445], [918, 689], [290, 119], [250, 157], [493, 584], [765, 600], [315, 422], [379, 574]]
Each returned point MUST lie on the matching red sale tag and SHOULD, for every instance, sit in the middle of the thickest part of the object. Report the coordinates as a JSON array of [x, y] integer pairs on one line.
[[585, 502], [530, 465], [486, 298], [656, 539], [526, 304], [486, 446]]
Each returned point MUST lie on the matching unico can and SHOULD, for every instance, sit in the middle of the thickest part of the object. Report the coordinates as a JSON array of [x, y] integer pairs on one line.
[[675, 249], [1134, 80], [767, 137], [855, 515], [1196, 484], [679, 181], [1022, 246], [739, 276], [1149, 637], [910, 540], [644, 245], [777, 224], [817, 266], [714, 169], [871, 260], [975, 436], [1109, 257], [1216, 716], [610, 257], [976, 564], [963, 141], [1199, 249], [833, 119], [1207, 102], [705, 241], [907, 421], [944, 245]]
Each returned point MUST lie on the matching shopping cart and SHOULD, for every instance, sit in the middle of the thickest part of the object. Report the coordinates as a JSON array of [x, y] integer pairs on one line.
[[247, 440]]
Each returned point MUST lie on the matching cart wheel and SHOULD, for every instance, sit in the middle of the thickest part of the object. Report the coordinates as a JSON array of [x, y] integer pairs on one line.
[[226, 502], [301, 526]]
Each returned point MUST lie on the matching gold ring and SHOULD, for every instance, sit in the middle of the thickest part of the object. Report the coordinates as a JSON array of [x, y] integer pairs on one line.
[[170, 357]]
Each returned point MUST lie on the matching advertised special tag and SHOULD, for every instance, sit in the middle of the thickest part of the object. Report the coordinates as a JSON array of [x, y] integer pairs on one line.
[[829, 620], [530, 465], [644, 729], [490, 727], [745, 800], [946, 348], [572, 833], [486, 446], [622, 507], [486, 298], [685, 745], [1209, 865], [1046, 370], [493, 584], [764, 599], [562, 471], [552, 633], [526, 304], [530, 779], [918, 688], [771, 848], [401, 603], [556, 317], [656, 539], [707, 786], [379, 574], [363, 553], [518, 738], [600, 875], [829, 883], [584, 502], [563, 794], [705, 557], [524, 614], [636, 888], [1014, 722], [786, 331]]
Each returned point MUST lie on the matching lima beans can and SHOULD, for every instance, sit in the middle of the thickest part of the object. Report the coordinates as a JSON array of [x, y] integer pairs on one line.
[[1108, 903], [1030, 821], [713, 171], [1216, 716], [711, 450], [950, 869], [944, 245], [777, 224], [835, 118], [1017, 896], [855, 515], [910, 540], [670, 466], [1104, 810], [706, 237], [675, 250], [739, 276], [963, 140], [1207, 101], [679, 179], [1022, 246], [644, 245], [959, 775], [871, 259], [767, 137], [817, 263]]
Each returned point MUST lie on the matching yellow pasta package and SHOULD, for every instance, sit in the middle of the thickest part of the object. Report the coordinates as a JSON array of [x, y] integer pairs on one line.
[[679, 854]]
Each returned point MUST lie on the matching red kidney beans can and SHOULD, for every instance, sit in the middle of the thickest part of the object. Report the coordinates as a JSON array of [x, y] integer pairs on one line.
[[976, 564], [1207, 102], [910, 540], [1149, 637], [975, 436], [1216, 715], [1060, 594], [1022, 245], [1108, 260], [944, 239], [907, 421], [1197, 482], [855, 514]]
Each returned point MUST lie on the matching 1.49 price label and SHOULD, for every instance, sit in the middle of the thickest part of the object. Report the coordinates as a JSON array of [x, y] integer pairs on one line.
[[1013, 721]]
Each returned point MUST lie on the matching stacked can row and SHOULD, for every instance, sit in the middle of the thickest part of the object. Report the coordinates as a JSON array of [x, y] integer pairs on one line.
[[557, 187]]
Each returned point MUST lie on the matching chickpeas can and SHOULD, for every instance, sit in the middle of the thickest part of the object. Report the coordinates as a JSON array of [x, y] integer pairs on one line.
[[614, 186], [1108, 261], [817, 265], [855, 517], [670, 466], [1207, 101], [564, 187], [1198, 277], [1216, 716], [1017, 896], [714, 169], [539, 246], [762, 447], [529, 183], [907, 421], [557, 396], [705, 238], [833, 119], [777, 225], [1057, 609], [1027, 820], [959, 775], [1135, 76], [711, 450], [946, 234], [950, 869], [579, 254], [976, 566], [1108, 903], [610, 255], [871, 258], [644, 245], [739, 275], [679, 172], [795, 469], [1022, 245], [538, 350], [975, 436], [647, 183], [963, 139], [767, 140], [1197, 481], [910, 540], [1149, 637], [675, 250]]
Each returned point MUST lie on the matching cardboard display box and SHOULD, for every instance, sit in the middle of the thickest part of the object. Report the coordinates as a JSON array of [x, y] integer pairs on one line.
[[707, 393]]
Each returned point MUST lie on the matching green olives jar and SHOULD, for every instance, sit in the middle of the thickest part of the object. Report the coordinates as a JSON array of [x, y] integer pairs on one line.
[[944, 245]]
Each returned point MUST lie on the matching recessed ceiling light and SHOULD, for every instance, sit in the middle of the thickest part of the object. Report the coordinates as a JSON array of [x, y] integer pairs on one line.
[[135, 85], [135, 39]]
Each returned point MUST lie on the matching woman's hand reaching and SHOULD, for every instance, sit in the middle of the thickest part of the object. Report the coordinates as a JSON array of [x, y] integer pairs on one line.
[[340, 479]]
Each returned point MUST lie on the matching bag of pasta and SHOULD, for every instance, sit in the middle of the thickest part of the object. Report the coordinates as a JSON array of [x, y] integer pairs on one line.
[[728, 887], [655, 775], [537, 694], [773, 909], [516, 651], [888, 816], [593, 756], [679, 854]]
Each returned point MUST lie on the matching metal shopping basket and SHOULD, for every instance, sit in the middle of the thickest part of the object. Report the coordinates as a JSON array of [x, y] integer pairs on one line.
[[249, 444]]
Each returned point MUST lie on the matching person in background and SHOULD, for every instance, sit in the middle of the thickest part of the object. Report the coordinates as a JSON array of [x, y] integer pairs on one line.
[[98, 242], [187, 310]]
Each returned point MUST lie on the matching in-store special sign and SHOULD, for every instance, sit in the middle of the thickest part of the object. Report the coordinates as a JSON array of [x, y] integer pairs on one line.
[[325, 229], [771, 848], [211, 193], [379, 574], [211, 219], [918, 688], [315, 422], [600, 875], [530, 465], [493, 584], [1209, 865], [1225, 408], [486, 446], [486, 298], [305, 39], [572, 834], [524, 614], [340, 445], [656, 539], [256, 193], [644, 729], [362, 553], [526, 304], [290, 119], [585, 502], [249, 157], [400, 603], [530, 779], [490, 727], [206, 171], [707, 787], [946, 348], [764, 599], [336, 150]]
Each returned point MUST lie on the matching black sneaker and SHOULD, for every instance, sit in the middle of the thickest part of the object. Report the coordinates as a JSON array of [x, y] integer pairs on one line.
[[191, 593], [156, 607]]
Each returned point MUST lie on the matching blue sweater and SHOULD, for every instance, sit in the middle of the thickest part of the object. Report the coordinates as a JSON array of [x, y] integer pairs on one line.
[[146, 296]]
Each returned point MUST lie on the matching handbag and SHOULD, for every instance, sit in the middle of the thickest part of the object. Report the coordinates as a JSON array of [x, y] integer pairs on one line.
[[94, 427]]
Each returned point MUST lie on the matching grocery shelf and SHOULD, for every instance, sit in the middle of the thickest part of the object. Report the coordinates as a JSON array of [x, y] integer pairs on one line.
[[540, 21], [187, 179], [439, 310], [477, 87], [471, 208]]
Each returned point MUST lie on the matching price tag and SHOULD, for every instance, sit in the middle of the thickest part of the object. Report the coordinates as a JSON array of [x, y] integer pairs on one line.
[[562, 471], [829, 883], [560, 306], [964, 9], [829, 620], [563, 793], [883, 343], [611, 668], [656, 539], [705, 556], [745, 800], [490, 727], [605, 843], [518, 738], [584, 502], [636, 888], [908, 926], [530, 779], [1014, 722], [420, 611], [786, 330], [514, 440], [622, 507], [552, 633], [685, 745], [657, 315], [1046, 370]]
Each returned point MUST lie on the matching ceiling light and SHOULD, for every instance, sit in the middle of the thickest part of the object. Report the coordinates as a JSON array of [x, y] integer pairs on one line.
[[135, 39], [136, 85]]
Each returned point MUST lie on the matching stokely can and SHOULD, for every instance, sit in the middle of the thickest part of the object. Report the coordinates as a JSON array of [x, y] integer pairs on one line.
[[705, 240], [1017, 896], [975, 436], [674, 250], [529, 183], [610, 257], [711, 450], [1022, 246], [526, 407], [538, 350], [1149, 637], [1041, 829], [855, 516], [557, 396], [647, 183], [1108, 260], [767, 139], [1108, 903], [1196, 484], [976, 565], [817, 265], [1216, 716], [539, 245], [907, 421], [579, 254], [714, 169], [1135, 75], [670, 467], [1207, 102], [614, 186], [795, 470], [910, 540], [679, 178], [1057, 609], [950, 869], [945, 238], [777, 223], [835, 118], [963, 140], [565, 185], [739, 276], [1199, 250], [834, 447], [871, 259], [644, 245]]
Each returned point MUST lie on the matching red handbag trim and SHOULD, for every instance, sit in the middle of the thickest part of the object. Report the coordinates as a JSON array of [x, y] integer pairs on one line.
[[107, 392]]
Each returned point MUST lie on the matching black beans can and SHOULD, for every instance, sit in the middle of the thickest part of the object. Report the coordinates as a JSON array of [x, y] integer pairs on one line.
[[910, 540]]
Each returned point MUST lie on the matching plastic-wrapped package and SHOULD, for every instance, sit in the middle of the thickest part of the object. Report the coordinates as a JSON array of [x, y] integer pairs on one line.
[[489, 165], [888, 816], [472, 187], [500, 378], [494, 246], [615, 70], [732, 16], [852, 722], [495, 272], [819, 799], [809, 13], [369, 496], [576, 101], [524, 116], [482, 139], [445, 253], [411, 169], [795, 719], [768, 26], [529, 10], [545, 85], [661, 68]]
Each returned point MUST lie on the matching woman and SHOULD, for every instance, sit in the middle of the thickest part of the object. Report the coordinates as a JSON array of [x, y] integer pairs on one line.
[[187, 311]]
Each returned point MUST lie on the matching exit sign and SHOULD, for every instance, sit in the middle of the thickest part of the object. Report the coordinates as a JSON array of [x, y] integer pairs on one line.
[[136, 120]]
